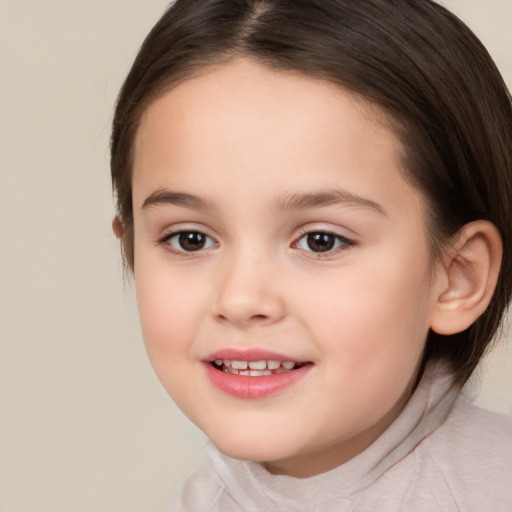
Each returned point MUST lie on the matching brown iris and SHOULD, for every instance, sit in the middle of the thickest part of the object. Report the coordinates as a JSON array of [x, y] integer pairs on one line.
[[192, 240], [321, 242]]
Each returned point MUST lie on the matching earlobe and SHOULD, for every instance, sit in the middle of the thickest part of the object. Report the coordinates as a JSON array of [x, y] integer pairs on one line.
[[117, 227], [469, 275]]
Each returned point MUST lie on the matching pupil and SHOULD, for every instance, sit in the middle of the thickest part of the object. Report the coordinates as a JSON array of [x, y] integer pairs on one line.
[[192, 241], [320, 242]]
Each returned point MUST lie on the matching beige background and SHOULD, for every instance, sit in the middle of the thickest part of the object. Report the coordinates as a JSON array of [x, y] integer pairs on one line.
[[84, 424]]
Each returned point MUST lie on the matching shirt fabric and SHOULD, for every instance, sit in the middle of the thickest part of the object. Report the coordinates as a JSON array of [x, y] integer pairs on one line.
[[442, 453]]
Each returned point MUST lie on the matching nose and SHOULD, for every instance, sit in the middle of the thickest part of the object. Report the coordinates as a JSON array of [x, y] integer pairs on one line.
[[248, 293]]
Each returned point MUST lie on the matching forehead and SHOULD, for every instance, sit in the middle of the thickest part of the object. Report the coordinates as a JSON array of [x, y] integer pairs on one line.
[[243, 91], [244, 123]]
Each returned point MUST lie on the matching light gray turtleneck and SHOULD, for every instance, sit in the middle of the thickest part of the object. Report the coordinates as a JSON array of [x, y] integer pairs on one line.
[[441, 454]]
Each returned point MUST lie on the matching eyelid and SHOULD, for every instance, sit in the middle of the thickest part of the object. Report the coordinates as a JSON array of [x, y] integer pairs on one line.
[[347, 243], [176, 228], [171, 233]]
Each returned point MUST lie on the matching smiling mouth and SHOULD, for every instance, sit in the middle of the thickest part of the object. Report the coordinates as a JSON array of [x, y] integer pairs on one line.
[[255, 368]]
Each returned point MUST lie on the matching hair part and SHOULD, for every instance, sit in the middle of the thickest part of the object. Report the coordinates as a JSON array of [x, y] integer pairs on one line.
[[437, 85]]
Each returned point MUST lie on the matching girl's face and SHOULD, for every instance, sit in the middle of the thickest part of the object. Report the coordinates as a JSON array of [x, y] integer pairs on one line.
[[273, 225]]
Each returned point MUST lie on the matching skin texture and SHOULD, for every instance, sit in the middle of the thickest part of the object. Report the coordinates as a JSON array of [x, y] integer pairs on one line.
[[245, 139]]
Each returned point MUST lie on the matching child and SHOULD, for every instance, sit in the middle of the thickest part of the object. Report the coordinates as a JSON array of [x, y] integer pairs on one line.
[[314, 199]]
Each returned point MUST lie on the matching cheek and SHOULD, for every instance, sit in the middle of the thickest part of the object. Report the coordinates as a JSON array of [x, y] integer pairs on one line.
[[169, 311], [169, 316], [374, 313], [372, 338]]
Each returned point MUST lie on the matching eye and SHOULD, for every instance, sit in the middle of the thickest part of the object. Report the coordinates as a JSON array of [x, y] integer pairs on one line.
[[322, 242], [189, 241]]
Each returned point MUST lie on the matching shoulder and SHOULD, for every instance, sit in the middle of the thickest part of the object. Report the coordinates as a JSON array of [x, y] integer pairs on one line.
[[476, 431], [472, 455], [199, 491]]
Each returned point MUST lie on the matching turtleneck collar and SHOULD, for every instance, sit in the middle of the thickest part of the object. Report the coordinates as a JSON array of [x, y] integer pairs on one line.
[[251, 484]]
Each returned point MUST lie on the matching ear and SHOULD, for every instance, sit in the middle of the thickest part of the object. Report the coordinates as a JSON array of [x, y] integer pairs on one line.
[[467, 277], [117, 227]]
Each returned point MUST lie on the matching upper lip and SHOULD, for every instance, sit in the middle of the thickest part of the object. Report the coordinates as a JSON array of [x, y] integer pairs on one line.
[[249, 354]]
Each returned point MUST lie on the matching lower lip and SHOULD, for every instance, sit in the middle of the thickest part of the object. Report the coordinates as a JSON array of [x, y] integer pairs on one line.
[[244, 386]]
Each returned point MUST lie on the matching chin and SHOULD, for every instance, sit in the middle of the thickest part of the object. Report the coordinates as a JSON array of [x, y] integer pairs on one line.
[[255, 448]]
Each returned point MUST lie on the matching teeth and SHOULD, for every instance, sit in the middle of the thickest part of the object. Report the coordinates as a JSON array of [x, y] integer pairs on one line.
[[254, 368], [257, 365], [258, 373]]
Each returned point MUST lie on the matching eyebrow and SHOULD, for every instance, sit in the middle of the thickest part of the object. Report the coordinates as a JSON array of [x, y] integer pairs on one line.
[[162, 197], [290, 202]]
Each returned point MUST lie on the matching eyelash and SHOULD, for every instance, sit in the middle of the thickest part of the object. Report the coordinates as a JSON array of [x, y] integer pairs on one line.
[[344, 242], [165, 241]]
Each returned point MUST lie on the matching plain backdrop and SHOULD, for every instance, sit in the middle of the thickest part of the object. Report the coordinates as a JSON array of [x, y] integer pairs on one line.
[[84, 424]]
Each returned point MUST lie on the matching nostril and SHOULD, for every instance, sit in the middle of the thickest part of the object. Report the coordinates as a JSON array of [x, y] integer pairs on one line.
[[248, 308], [249, 319], [259, 317]]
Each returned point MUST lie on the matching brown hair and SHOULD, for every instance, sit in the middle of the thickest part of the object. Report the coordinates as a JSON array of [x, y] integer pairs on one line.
[[415, 60]]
